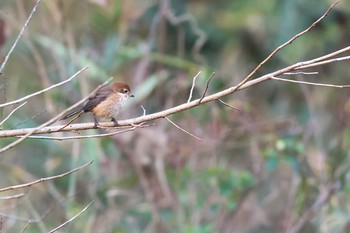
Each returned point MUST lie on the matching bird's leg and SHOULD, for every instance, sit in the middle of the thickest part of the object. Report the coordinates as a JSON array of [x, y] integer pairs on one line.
[[95, 122], [114, 121]]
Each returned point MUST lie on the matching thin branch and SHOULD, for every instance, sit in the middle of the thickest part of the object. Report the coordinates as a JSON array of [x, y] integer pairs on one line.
[[193, 85], [324, 62], [144, 111], [18, 37], [284, 45], [162, 114], [206, 88], [174, 124], [89, 136], [59, 116], [43, 90], [25, 227], [325, 59], [16, 196], [28, 119], [39, 218], [71, 219], [301, 73], [14, 110], [44, 179], [310, 83], [228, 105], [321, 200]]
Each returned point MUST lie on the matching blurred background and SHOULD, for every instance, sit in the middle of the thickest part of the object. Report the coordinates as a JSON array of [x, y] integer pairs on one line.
[[281, 160]]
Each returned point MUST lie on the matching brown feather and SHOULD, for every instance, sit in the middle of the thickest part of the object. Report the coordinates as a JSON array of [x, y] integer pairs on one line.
[[100, 96]]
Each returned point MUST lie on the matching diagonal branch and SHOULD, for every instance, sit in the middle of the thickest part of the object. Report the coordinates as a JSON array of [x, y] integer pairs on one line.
[[285, 44], [44, 179], [310, 83], [2, 67], [245, 83], [183, 130], [170, 111], [13, 111], [71, 219], [43, 90]]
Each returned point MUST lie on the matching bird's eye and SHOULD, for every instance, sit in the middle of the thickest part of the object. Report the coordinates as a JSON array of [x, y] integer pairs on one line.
[[125, 90]]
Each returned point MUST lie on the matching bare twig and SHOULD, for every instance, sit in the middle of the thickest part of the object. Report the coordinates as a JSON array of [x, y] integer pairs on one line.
[[324, 62], [71, 219], [30, 132], [173, 123], [206, 87], [28, 119], [144, 111], [14, 110], [321, 200], [2, 67], [43, 90], [59, 116], [16, 196], [310, 83], [300, 73], [245, 83], [44, 179], [284, 45], [193, 85], [228, 105], [25, 227], [90, 136]]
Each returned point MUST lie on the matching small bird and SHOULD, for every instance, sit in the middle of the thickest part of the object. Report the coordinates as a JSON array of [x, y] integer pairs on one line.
[[105, 103]]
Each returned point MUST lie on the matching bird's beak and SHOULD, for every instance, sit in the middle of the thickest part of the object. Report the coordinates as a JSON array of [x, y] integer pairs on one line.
[[132, 95]]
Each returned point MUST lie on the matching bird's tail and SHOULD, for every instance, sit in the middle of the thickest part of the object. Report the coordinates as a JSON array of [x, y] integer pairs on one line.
[[73, 113]]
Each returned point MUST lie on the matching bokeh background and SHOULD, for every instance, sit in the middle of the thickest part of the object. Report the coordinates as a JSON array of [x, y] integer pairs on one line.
[[282, 160]]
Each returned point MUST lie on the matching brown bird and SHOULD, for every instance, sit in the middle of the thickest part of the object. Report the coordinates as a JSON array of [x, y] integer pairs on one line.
[[105, 103]]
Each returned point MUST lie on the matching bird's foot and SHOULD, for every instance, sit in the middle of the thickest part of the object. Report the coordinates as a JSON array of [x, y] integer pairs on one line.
[[115, 122]]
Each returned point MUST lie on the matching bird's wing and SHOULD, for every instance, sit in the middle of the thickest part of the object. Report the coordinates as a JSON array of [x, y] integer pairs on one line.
[[99, 97]]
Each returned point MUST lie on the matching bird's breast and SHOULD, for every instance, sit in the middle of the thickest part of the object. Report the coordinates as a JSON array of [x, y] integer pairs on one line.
[[110, 107]]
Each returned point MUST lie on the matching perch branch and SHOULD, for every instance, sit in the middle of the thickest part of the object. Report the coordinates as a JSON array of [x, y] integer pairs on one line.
[[245, 83], [167, 112]]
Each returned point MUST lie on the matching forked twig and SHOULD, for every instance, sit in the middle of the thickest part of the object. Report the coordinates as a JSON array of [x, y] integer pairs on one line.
[[206, 88]]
